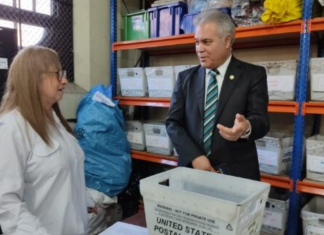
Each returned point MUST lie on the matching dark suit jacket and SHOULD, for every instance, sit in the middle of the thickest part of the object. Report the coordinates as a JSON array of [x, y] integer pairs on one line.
[[246, 94]]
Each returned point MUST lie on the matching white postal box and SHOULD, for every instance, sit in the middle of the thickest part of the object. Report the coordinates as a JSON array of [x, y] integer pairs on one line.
[[316, 70], [189, 201], [276, 213], [180, 68], [132, 82], [312, 215], [135, 135], [275, 153], [157, 139], [281, 78], [315, 158], [160, 81]]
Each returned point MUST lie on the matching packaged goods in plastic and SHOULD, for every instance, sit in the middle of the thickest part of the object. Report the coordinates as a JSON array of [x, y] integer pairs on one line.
[[316, 70], [276, 212], [157, 139], [315, 158], [189, 201], [246, 12], [312, 215], [160, 81], [281, 77], [132, 82], [135, 135], [275, 152]]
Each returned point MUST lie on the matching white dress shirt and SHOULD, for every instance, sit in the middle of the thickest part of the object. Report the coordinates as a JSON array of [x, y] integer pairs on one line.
[[42, 188], [220, 78]]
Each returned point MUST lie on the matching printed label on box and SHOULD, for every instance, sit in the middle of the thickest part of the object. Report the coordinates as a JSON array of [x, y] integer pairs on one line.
[[133, 83], [281, 83], [137, 23], [135, 137], [160, 83], [3, 63], [268, 157], [287, 154], [315, 163], [157, 141], [317, 82], [172, 220], [272, 219], [309, 230]]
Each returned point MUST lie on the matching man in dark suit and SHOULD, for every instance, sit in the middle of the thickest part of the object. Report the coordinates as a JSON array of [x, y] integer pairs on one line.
[[219, 108]]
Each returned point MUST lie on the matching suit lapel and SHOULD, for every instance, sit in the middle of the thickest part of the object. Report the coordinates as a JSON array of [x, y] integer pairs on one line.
[[228, 86], [200, 89]]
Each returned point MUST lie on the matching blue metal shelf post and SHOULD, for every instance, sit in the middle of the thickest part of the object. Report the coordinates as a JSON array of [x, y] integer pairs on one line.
[[301, 89], [113, 38]]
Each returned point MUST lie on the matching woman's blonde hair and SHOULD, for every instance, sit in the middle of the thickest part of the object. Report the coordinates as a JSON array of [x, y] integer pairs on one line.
[[23, 88]]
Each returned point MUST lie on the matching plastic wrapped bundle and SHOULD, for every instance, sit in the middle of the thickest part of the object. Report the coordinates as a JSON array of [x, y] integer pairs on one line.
[[218, 4], [278, 11], [245, 12], [196, 5]]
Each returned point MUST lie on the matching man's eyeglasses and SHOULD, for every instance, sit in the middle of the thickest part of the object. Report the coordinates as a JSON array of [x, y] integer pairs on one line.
[[60, 74]]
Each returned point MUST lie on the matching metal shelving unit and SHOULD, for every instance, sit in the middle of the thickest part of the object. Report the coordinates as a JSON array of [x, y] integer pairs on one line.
[[247, 37]]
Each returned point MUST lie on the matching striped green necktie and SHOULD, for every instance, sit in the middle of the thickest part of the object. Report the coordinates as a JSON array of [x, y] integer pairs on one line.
[[210, 110]]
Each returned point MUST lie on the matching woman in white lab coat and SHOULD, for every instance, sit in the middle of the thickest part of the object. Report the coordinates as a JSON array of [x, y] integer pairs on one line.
[[42, 184]]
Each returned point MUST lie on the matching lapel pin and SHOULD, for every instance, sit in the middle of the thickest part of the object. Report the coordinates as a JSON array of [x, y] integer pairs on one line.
[[231, 77]]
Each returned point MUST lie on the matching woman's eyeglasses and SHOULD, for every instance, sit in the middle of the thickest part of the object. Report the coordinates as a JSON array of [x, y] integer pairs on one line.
[[60, 74]]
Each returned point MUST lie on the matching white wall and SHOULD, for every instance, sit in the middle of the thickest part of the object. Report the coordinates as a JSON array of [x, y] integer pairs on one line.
[[91, 42]]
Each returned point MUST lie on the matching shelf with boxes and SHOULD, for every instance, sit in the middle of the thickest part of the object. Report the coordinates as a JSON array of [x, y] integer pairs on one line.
[[265, 32], [248, 37], [273, 107]]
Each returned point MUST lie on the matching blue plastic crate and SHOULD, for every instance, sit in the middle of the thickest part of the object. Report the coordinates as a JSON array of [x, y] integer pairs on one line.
[[187, 25], [165, 20]]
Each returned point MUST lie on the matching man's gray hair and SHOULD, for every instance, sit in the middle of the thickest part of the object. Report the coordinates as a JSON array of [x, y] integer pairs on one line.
[[224, 22]]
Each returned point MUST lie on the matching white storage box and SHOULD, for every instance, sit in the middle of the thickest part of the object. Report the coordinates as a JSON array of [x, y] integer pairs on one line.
[[275, 152], [135, 135], [281, 77], [160, 81], [316, 70], [132, 82], [180, 68], [315, 158], [157, 139], [188, 201], [312, 215], [276, 212]]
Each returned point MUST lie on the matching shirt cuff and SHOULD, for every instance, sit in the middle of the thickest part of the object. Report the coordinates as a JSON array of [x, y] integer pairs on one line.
[[248, 132]]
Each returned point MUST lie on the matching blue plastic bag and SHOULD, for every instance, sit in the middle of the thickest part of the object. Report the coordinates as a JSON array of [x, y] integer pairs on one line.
[[100, 130]]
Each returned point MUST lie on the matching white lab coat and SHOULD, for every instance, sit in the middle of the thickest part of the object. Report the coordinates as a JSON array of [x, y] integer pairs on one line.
[[42, 188]]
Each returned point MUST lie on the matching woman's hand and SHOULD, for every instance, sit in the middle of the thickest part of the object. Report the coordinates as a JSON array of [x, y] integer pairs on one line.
[[93, 210]]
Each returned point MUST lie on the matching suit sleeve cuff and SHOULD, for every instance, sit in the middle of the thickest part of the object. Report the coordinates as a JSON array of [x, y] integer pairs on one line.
[[248, 132]]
